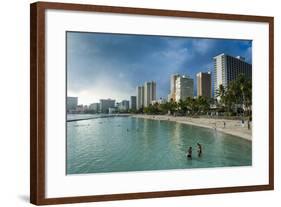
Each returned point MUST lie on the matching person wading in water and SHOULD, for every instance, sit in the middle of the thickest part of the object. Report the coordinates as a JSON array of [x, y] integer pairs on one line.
[[199, 149], [189, 153]]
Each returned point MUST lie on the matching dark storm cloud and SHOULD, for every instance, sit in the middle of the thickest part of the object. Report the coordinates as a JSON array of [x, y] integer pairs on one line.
[[112, 65]]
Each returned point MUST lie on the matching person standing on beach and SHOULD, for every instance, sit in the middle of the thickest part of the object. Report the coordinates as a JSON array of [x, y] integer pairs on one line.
[[224, 124], [242, 123], [189, 153], [199, 149]]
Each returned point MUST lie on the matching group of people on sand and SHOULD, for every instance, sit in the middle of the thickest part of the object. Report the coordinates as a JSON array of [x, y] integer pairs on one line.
[[199, 151]]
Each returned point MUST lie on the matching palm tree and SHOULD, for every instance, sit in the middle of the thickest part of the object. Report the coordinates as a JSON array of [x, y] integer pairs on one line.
[[245, 86], [172, 106], [203, 104], [241, 90], [164, 108], [220, 93], [152, 109], [189, 104], [182, 106], [231, 96]]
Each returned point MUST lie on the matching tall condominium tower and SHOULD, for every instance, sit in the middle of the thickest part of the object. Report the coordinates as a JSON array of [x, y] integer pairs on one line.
[[184, 88], [140, 97], [228, 68], [133, 102], [172, 94], [204, 84], [149, 93]]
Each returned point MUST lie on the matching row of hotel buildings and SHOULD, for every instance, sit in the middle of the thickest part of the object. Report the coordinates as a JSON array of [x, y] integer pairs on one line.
[[182, 86], [226, 69], [103, 106]]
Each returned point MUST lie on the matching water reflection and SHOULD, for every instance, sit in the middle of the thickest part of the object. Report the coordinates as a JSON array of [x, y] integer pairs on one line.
[[131, 144]]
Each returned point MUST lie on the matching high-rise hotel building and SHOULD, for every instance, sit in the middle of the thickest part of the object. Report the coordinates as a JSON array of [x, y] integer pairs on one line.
[[71, 103], [149, 93], [105, 104], [172, 94], [140, 97], [146, 94], [184, 87], [204, 84], [228, 68], [133, 103]]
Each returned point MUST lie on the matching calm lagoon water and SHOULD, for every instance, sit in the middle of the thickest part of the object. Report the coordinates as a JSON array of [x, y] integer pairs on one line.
[[118, 144]]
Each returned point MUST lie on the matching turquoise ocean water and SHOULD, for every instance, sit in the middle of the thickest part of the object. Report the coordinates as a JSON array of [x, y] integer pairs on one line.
[[118, 144]]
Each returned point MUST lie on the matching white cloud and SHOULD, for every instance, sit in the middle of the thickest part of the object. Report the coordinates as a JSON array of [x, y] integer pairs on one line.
[[178, 55], [202, 46], [176, 43], [248, 54], [103, 89]]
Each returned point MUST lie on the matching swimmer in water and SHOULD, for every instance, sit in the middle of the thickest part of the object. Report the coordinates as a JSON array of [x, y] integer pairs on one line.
[[199, 149], [189, 153]]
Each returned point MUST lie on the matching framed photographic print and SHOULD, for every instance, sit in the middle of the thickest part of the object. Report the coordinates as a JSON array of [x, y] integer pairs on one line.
[[130, 103]]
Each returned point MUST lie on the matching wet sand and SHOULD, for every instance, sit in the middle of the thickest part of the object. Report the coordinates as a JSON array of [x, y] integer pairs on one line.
[[233, 127]]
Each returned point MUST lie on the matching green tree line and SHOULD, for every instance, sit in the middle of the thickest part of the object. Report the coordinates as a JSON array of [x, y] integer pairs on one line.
[[234, 99]]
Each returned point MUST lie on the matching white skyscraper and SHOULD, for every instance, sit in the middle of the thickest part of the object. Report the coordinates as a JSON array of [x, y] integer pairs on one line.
[[184, 88], [140, 97], [228, 68], [149, 93]]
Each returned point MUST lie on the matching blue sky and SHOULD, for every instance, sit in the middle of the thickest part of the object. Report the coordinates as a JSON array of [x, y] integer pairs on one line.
[[112, 65]]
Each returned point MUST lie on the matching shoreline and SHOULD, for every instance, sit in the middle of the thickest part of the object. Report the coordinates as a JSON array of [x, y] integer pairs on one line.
[[232, 127]]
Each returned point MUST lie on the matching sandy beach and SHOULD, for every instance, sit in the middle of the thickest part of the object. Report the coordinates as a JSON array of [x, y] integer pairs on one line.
[[232, 127]]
